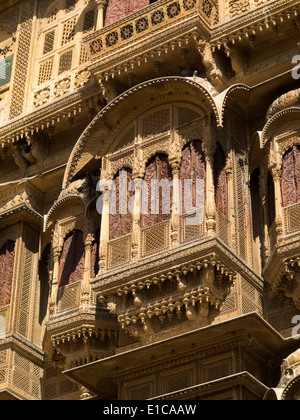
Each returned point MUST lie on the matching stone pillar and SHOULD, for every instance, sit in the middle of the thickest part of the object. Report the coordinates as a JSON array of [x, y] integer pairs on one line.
[[276, 173], [85, 285], [231, 211], [101, 9], [176, 204], [210, 192], [55, 279], [136, 228], [104, 234]]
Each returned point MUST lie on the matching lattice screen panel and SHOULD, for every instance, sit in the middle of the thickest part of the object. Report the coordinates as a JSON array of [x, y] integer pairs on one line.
[[155, 239], [89, 21], [65, 62], [156, 123], [22, 60], [45, 72], [69, 297], [68, 31], [119, 251], [192, 226], [70, 5], [26, 376], [49, 42]]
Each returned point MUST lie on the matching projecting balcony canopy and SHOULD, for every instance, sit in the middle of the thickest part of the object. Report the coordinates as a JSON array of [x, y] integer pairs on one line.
[[95, 141]]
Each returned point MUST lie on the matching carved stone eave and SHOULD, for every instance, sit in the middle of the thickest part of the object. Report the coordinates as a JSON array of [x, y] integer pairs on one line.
[[21, 212], [47, 117], [97, 376], [282, 270], [193, 283], [80, 329], [254, 21]]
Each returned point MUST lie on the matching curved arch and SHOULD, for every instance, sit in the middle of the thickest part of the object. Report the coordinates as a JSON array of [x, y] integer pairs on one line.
[[274, 124], [238, 92], [60, 206], [93, 140]]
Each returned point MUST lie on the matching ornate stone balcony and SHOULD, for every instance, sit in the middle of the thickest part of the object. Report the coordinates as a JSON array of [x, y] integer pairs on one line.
[[161, 16]]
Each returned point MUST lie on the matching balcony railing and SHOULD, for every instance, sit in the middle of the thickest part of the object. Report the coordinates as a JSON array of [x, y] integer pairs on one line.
[[292, 219], [69, 297], [157, 239], [158, 16]]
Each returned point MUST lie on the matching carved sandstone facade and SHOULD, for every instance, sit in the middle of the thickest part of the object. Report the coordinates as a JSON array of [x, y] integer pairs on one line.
[[149, 200]]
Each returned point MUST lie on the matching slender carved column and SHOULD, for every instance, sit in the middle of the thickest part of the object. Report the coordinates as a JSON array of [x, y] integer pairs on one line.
[[210, 192], [231, 214], [104, 235], [176, 204], [136, 229], [100, 18], [85, 285], [264, 201], [55, 279], [276, 173]]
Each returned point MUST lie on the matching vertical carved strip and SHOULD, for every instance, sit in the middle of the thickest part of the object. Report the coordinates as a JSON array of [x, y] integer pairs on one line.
[[220, 179], [22, 60], [7, 257]]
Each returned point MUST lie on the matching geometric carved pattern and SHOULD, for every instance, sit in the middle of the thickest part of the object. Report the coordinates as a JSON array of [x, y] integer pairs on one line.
[[7, 256], [72, 259], [45, 72], [22, 60], [68, 31]]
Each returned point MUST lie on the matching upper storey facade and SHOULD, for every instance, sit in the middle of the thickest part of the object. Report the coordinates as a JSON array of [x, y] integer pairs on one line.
[[50, 50]]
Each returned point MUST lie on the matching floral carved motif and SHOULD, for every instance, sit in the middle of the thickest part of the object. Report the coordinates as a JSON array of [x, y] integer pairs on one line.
[[237, 7], [7, 256], [41, 97], [291, 177], [118, 9], [62, 87], [82, 78]]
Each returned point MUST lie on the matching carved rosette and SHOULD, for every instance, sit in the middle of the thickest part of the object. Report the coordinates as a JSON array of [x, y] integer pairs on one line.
[[62, 87], [41, 97], [82, 78]]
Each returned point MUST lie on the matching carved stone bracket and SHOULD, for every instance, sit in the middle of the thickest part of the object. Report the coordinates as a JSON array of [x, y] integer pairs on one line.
[[192, 292]]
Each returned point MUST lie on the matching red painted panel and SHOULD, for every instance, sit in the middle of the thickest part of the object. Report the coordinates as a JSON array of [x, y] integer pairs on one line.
[[118, 9], [7, 257]]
